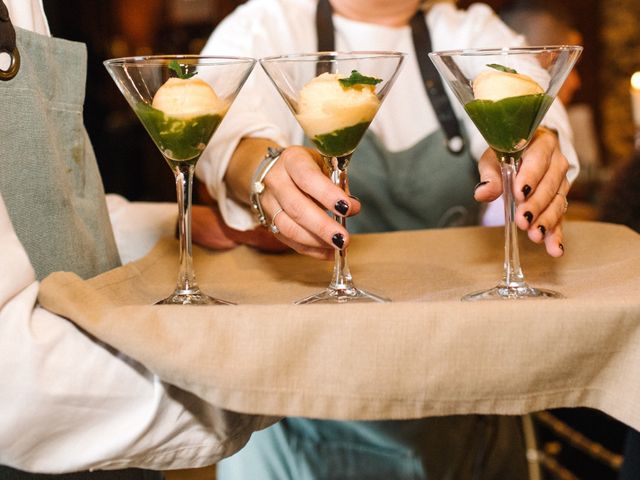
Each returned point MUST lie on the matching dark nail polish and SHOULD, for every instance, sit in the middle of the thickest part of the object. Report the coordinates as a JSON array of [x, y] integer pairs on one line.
[[561, 246], [526, 190], [478, 185], [529, 216], [341, 207], [542, 229], [338, 240]]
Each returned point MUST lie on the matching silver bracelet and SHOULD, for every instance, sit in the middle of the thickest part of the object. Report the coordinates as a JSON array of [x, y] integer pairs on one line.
[[257, 182]]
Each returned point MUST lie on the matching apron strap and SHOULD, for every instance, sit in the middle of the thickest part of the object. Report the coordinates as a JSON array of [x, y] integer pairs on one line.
[[430, 78], [8, 44], [434, 86], [324, 29]]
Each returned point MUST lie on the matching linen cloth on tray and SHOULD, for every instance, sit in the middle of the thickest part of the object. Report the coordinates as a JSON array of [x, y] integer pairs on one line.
[[425, 354]]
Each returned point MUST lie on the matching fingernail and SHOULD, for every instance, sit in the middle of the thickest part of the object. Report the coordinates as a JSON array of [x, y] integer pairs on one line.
[[342, 207], [561, 246], [354, 197], [529, 216], [526, 190], [542, 229], [478, 185], [338, 240]]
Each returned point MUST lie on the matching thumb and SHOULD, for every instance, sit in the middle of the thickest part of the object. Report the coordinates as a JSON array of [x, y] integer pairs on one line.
[[490, 186]]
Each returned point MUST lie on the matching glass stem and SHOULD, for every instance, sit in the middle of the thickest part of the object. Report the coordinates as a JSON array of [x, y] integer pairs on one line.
[[184, 183], [342, 279], [513, 276]]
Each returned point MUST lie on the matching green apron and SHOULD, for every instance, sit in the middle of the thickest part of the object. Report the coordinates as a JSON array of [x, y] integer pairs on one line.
[[49, 178], [425, 186], [50, 182]]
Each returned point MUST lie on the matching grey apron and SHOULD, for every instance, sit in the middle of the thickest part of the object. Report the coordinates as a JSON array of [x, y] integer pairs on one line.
[[50, 182], [49, 178], [425, 186]]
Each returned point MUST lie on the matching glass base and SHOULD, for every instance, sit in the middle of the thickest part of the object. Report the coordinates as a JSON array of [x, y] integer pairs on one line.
[[342, 295], [502, 292], [191, 297]]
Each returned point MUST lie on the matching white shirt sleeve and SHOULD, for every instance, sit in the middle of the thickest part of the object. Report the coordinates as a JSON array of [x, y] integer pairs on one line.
[[29, 15], [137, 226], [70, 403], [258, 111]]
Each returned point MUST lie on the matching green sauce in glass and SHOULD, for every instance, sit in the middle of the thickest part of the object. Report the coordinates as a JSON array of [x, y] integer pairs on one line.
[[507, 125], [179, 139], [340, 142]]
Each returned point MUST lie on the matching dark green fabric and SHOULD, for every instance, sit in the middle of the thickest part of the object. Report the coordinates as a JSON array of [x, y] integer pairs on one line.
[[49, 178]]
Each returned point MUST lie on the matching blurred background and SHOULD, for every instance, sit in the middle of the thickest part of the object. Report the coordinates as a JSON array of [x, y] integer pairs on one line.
[[576, 443]]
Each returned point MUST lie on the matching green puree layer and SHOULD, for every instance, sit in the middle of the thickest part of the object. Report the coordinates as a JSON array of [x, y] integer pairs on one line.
[[179, 139], [340, 142], [505, 123]]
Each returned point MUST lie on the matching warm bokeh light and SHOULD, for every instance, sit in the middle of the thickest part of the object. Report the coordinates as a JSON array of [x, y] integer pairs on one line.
[[635, 81]]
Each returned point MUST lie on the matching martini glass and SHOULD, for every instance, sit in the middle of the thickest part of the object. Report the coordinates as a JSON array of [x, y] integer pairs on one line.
[[181, 100], [506, 93], [334, 97]]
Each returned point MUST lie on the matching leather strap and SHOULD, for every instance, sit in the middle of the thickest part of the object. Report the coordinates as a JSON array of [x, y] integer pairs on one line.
[[8, 44], [324, 29], [434, 86], [431, 79]]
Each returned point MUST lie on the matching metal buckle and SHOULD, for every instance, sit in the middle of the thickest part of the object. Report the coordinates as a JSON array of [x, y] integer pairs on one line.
[[455, 144], [12, 71]]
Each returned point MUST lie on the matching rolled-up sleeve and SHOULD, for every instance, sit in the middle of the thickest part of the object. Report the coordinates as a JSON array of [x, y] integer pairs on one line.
[[258, 111]]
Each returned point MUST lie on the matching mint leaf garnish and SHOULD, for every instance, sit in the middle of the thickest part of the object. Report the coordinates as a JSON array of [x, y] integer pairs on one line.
[[356, 78], [502, 68], [181, 72]]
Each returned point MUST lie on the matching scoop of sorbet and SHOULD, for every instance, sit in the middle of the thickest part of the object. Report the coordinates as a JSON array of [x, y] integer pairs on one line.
[[187, 98], [495, 85], [325, 106]]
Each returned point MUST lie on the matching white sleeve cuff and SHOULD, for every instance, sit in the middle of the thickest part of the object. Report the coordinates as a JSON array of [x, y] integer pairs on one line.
[[137, 226], [557, 119]]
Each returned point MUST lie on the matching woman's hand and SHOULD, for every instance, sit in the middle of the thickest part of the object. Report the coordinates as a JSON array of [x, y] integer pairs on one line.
[[297, 185], [540, 189]]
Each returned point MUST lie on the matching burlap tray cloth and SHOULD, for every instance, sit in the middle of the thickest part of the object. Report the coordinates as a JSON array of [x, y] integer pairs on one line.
[[425, 354]]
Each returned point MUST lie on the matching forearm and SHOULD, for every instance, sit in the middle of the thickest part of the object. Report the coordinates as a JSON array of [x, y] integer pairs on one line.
[[245, 159]]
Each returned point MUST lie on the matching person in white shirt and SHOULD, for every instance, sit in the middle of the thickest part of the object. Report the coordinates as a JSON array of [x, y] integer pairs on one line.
[[259, 118], [406, 179], [70, 403]]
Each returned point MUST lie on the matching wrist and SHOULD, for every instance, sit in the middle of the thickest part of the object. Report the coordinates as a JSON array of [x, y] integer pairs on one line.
[[245, 159]]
